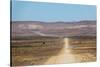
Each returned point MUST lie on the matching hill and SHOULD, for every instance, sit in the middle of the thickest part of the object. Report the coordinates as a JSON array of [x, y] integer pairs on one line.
[[60, 28]]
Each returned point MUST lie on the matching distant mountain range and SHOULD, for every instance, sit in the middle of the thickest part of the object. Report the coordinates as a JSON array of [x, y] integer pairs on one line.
[[37, 28]]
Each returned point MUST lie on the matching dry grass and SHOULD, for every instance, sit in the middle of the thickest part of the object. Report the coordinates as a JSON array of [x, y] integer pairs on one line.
[[52, 50]]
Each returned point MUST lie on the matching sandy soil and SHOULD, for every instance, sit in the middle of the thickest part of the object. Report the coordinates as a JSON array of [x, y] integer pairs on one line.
[[64, 56]]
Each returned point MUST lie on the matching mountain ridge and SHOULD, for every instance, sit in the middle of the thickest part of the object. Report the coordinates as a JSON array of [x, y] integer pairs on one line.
[[82, 28]]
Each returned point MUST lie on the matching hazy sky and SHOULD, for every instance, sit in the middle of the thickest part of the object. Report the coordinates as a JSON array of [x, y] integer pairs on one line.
[[39, 11]]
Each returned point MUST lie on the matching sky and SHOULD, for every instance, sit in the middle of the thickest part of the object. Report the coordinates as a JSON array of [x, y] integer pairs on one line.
[[41, 11]]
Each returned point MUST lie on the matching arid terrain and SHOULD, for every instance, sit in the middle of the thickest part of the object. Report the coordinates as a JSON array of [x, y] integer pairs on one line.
[[53, 50], [36, 43], [36, 28]]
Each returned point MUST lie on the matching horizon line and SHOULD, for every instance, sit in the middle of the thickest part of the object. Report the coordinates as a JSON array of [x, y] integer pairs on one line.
[[49, 21]]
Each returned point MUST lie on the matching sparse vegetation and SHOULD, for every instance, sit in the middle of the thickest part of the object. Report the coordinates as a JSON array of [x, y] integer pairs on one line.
[[38, 50]]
